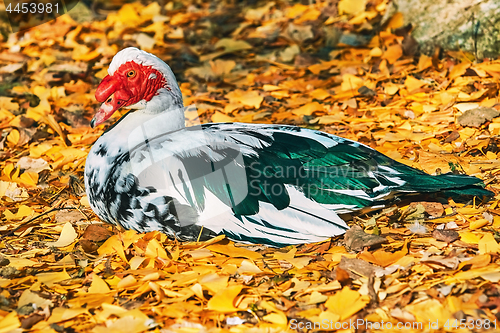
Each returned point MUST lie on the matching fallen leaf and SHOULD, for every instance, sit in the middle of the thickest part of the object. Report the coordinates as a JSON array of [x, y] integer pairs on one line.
[[98, 285], [356, 239], [346, 303], [68, 236], [488, 244], [224, 300]]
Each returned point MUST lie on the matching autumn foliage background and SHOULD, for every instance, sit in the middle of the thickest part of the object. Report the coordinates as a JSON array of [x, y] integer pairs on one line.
[[332, 66]]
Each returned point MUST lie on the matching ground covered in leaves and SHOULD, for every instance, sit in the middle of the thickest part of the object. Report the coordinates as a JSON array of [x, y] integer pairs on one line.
[[330, 66]]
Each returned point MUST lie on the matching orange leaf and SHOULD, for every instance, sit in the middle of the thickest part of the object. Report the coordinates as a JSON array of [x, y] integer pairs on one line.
[[233, 251], [476, 262], [459, 70], [248, 98], [393, 53], [412, 83], [383, 258], [308, 109], [113, 245]]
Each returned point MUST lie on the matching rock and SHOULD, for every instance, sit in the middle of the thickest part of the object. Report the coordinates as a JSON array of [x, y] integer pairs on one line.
[[452, 24], [478, 116]]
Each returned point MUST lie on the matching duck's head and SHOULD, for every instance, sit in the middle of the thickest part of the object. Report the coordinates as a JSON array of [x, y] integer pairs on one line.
[[136, 80]]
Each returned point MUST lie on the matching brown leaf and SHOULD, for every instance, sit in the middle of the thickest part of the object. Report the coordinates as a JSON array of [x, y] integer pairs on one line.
[[432, 208], [96, 233], [356, 239], [478, 116], [356, 267], [342, 276], [448, 236]]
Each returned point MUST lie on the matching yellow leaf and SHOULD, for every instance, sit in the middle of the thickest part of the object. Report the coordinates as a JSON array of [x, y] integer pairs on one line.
[[10, 322], [135, 262], [278, 318], [491, 156], [244, 97], [233, 251], [478, 224], [459, 70], [6, 103], [383, 258], [129, 237], [396, 21], [310, 15], [308, 109], [13, 137], [127, 282], [29, 178], [351, 82], [469, 211], [393, 53], [351, 6], [231, 45], [20, 262], [248, 267], [285, 256], [84, 201], [430, 310], [52, 278], [296, 10], [476, 262], [155, 249], [469, 237], [329, 316], [219, 117], [68, 236], [113, 245], [412, 83], [214, 282], [316, 297], [424, 62], [320, 94], [129, 324], [300, 262], [98, 285], [29, 297], [23, 211], [145, 41], [488, 244], [37, 151], [224, 300], [346, 303], [128, 15], [62, 314], [376, 52]]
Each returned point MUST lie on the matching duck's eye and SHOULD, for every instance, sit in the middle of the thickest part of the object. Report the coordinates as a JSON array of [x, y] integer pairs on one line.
[[131, 74]]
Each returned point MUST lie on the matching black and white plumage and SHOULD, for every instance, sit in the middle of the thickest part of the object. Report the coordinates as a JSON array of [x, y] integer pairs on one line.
[[271, 184]]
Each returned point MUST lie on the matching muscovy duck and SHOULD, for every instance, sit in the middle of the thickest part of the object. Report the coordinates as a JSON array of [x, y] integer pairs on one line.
[[255, 183]]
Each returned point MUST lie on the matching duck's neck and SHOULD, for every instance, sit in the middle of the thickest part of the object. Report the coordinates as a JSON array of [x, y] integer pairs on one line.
[[137, 126]]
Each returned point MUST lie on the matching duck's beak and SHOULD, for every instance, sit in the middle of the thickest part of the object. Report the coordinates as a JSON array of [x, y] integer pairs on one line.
[[113, 95]]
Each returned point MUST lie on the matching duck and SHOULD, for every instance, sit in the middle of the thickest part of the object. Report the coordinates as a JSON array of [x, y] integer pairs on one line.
[[270, 184]]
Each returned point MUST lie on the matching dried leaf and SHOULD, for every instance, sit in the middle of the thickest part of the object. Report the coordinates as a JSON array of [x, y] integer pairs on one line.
[[346, 303], [68, 236], [224, 300]]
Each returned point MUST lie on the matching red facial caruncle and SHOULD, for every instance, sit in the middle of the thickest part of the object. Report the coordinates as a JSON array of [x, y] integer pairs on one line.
[[128, 85]]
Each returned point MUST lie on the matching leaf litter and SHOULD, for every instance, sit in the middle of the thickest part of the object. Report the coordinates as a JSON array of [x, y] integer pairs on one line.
[[320, 65]]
